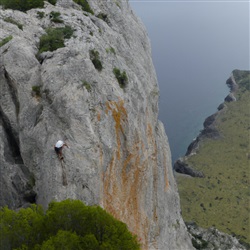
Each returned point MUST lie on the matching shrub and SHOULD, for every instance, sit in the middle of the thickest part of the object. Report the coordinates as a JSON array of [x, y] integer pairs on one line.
[[5, 40], [52, 1], [54, 39], [22, 5], [111, 50], [51, 41], [37, 90], [86, 85], [10, 20], [55, 17], [121, 77], [85, 5], [103, 16], [67, 32], [40, 14], [94, 57]]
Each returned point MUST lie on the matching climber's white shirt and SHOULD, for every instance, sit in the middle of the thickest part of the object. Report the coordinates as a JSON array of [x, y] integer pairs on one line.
[[59, 144]]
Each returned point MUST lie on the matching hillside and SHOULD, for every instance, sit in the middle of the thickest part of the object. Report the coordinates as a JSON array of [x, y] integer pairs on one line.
[[221, 154]]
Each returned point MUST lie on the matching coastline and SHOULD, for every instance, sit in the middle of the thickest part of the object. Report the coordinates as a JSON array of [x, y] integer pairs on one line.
[[209, 131], [220, 197]]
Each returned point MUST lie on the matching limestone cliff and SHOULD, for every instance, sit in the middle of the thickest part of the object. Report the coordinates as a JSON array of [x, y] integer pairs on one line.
[[119, 155]]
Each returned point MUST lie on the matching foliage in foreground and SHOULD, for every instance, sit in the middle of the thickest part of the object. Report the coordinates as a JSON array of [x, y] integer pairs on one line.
[[221, 199], [66, 225]]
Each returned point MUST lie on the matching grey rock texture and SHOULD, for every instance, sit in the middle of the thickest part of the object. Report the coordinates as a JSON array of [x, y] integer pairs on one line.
[[212, 238], [119, 155], [231, 83], [230, 98]]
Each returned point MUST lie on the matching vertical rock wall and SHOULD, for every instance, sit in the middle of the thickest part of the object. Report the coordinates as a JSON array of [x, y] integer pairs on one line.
[[119, 155]]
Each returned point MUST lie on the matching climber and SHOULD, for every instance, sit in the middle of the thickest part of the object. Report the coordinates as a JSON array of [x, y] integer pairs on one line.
[[58, 148]]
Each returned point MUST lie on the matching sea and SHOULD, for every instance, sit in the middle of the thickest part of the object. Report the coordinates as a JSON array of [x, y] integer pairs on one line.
[[195, 47]]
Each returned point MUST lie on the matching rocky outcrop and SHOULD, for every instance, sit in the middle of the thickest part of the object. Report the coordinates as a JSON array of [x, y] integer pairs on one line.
[[212, 238], [181, 167], [230, 98], [119, 155], [231, 83]]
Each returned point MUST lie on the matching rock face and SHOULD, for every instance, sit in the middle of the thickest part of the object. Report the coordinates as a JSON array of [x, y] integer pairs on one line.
[[119, 155], [181, 167], [212, 238]]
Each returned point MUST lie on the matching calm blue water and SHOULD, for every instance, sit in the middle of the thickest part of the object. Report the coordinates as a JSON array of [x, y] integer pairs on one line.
[[195, 47]]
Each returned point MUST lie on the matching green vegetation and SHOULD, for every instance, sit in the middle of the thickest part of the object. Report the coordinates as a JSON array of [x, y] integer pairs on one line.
[[242, 77], [52, 1], [95, 58], [110, 50], [117, 4], [66, 225], [10, 20], [121, 77], [31, 182], [103, 16], [221, 199], [85, 5], [22, 5], [40, 14], [37, 90], [86, 85], [55, 17], [54, 39], [5, 40], [199, 243]]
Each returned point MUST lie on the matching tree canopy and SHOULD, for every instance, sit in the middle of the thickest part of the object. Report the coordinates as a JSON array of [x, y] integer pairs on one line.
[[68, 224]]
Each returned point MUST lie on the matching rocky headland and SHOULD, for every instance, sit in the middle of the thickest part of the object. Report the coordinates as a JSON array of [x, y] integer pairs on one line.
[[219, 157], [209, 131]]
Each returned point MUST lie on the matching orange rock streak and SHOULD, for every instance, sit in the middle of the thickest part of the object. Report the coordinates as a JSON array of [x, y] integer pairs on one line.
[[125, 180]]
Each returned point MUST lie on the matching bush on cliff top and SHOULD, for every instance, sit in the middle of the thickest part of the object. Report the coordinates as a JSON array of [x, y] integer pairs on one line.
[[66, 225], [24, 5]]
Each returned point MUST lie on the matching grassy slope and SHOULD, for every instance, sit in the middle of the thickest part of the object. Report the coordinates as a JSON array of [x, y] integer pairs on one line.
[[221, 199]]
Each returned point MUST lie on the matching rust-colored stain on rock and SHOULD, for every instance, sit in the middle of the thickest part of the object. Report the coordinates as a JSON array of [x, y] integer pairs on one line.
[[126, 177]]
